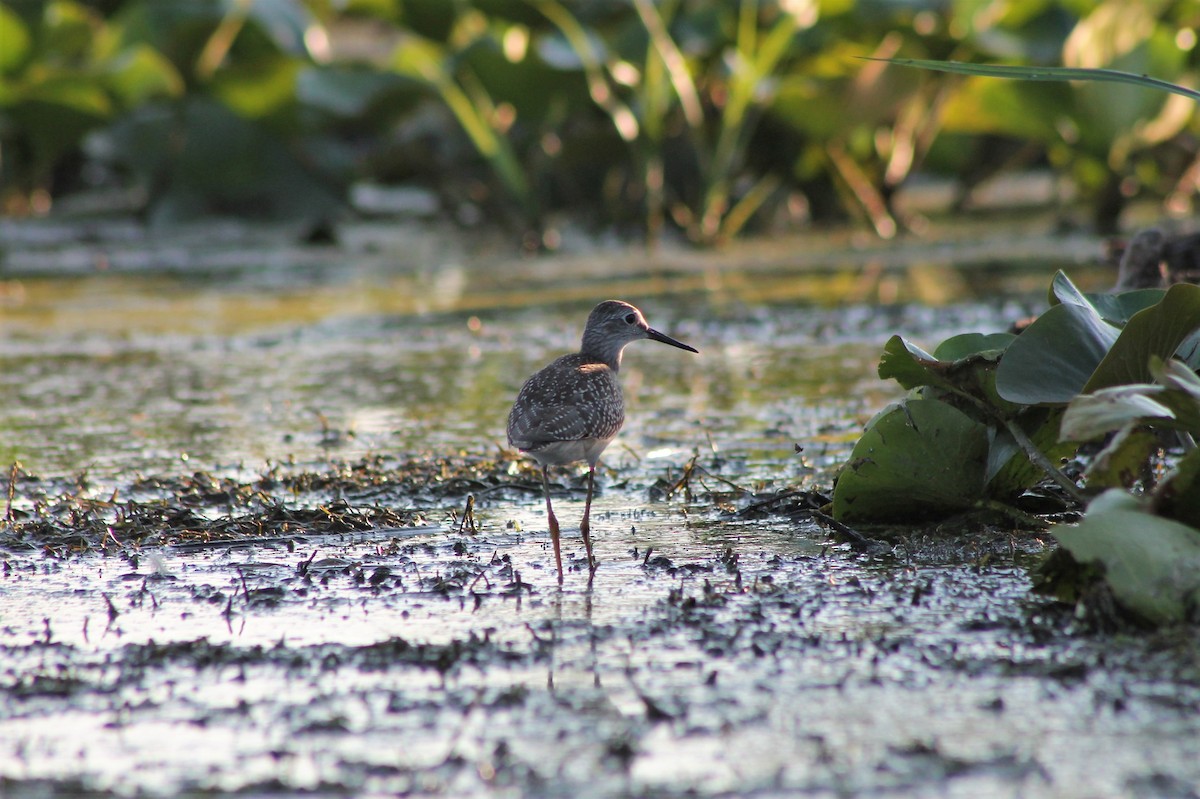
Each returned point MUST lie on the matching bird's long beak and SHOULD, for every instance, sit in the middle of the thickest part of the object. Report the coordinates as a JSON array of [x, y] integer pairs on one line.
[[654, 335]]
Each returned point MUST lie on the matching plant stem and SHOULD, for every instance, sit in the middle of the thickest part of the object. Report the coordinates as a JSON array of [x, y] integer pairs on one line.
[[1039, 459]]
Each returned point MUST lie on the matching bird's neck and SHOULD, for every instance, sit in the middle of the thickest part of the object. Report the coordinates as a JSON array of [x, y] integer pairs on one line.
[[602, 351]]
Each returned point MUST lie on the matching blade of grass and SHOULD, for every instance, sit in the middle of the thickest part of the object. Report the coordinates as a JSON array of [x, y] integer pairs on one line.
[[744, 208], [425, 59], [601, 91], [673, 60], [755, 61], [1043, 73]]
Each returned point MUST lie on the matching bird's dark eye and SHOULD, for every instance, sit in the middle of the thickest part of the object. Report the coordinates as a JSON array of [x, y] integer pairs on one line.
[[630, 318]]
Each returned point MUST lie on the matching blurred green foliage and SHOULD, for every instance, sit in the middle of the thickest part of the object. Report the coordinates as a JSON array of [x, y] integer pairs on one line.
[[701, 116]]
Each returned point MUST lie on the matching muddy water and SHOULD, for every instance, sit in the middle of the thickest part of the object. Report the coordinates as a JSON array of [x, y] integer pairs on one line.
[[719, 652]]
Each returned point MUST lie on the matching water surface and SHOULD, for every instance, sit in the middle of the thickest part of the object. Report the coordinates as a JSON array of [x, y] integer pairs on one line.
[[718, 652]]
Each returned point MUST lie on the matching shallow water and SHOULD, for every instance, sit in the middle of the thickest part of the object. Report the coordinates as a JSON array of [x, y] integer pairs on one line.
[[717, 653]]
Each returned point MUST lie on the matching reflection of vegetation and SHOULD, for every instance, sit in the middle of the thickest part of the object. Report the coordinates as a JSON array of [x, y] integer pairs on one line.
[[704, 116], [991, 416]]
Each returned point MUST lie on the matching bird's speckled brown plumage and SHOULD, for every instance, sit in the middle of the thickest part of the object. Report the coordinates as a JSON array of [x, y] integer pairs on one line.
[[567, 412], [570, 410]]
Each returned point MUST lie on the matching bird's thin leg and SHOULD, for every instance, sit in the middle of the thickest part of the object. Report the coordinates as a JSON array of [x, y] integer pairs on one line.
[[585, 526], [553, 522]]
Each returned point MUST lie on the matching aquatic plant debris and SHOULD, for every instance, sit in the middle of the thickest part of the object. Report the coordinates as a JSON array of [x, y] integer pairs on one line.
[[329, 621], [274, 636]]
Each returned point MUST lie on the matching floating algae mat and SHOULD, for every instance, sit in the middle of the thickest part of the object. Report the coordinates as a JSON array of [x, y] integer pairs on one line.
[[265, 538]]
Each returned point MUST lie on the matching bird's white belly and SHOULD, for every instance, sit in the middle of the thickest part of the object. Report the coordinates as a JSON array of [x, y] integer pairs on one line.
[[560, 453]]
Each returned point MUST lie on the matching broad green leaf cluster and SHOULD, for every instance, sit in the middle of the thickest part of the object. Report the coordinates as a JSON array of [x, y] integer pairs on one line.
[[990, 416], [701, 116]]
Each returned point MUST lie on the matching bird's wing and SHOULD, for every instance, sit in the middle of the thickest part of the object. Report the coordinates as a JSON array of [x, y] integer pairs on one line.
[[566, 404]]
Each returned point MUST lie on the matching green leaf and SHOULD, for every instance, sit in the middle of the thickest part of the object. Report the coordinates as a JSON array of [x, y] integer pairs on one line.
[[1151, 564], [1177, 496], [57, 113], [1043, 74], [141, 73], [260, 89], [68, 32], [288, 23], [1155, 331], [1124, 460], [1174, 374], [919, 459], [1009, 469], [76, 93], [1107, 113], [14, 41], [1053, 359], [1120, 308], [1189, 351], [213, 159], [1063, 291], [423, 59], [909, 365], [956, 348], [1115, 308], [963, 372], [1021, 110], [1092, 415], [345, 91]]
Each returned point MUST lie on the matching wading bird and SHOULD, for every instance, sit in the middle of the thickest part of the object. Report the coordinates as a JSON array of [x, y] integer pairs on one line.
[[570, 410]]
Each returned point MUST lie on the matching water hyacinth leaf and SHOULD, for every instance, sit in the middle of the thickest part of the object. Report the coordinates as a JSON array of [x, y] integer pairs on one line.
[[1092, 415], [1189, 351], [1115, 308], [1120, 308], [1026, 111], [965, 345], [1055, 357], [16, 41], [288, 24], [1124, 460], [910, 366], [1151, 564], [58, 113], [1009, 470], [1186, 410], [1173, 374], [227, 161], [1155, 331], [140, 74], [1063, 291], [1177, 496], [920, 459], [962, 363], [347, 91], [1106, 112], [259, 90], [1111, 409]]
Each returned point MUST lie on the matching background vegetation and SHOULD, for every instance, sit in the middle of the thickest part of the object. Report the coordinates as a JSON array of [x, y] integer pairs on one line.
[[643, 116]]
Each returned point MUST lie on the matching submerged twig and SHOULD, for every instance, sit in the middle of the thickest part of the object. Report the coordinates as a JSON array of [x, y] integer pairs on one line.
[[467, 522], [857, 541], [725, 480], [1016, 514], [684, 481], [12, 489], [113, 613]]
